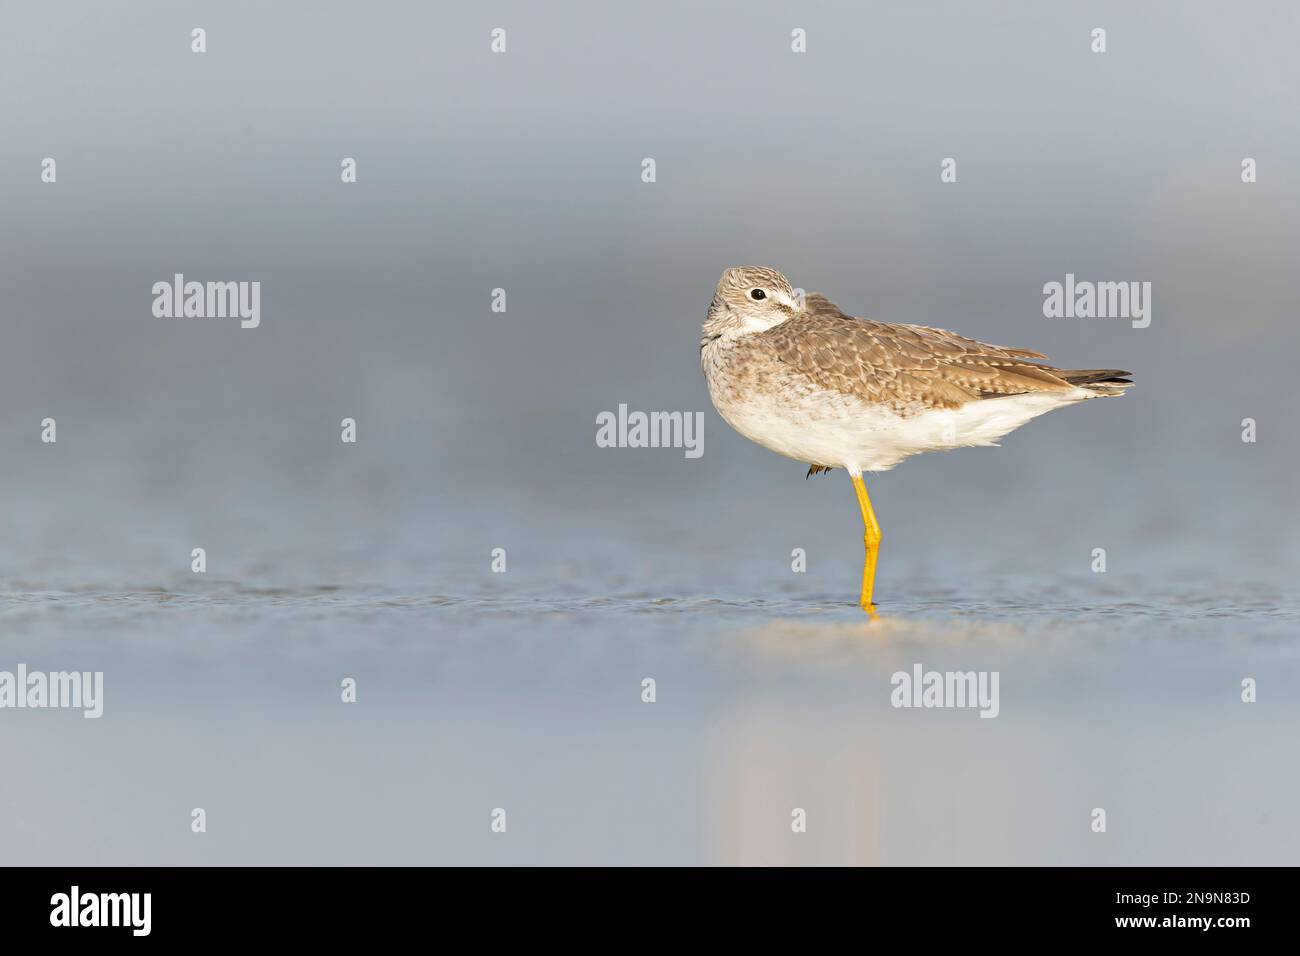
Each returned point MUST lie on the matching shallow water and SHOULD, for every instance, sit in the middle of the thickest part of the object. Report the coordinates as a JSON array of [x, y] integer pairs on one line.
[[226, 696]]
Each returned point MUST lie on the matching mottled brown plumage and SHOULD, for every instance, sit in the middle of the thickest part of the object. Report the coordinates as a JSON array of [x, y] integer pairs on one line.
[[798, 376], [801, 377], [907, 368]]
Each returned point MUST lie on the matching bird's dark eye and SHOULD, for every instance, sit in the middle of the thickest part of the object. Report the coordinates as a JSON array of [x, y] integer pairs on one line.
[[757, 294]]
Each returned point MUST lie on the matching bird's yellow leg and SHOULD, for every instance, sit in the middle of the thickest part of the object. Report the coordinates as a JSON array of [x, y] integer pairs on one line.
[[871, 540]]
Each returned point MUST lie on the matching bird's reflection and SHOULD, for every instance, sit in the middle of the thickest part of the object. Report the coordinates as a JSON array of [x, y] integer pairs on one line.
[[818, 768]]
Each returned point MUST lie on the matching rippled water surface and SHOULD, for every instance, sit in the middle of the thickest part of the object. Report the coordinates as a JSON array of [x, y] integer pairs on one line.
[[226, 696]]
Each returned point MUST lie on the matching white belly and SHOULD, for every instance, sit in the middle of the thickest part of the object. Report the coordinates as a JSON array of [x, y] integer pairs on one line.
[[838, 431]]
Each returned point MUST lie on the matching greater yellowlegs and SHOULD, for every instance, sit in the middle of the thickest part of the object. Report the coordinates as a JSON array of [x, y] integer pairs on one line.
[[798, 376]]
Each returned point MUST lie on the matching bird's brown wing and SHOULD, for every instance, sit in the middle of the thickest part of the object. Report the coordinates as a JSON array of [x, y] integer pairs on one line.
[[906, 367]]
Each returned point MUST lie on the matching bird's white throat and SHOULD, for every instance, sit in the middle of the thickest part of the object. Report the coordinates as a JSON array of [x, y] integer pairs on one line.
[[729, 323]]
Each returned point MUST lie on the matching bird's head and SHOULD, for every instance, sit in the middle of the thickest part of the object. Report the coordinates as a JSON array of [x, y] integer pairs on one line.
[[751, 299]]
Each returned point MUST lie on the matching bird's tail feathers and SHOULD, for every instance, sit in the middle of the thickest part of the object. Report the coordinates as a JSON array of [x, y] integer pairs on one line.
[[1101, 381]]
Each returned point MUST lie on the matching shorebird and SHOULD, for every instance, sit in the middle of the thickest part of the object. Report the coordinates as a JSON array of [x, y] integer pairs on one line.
[[798, 376]]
